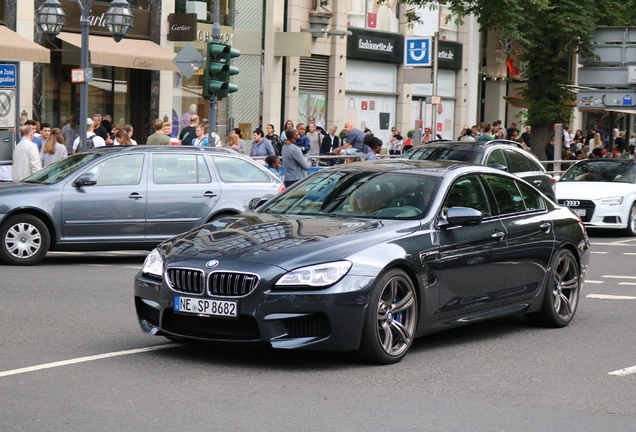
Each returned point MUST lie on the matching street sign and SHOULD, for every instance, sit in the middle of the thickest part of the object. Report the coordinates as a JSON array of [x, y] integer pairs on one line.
[[7, 75], [417, 51], [188, 60], [7, 108]]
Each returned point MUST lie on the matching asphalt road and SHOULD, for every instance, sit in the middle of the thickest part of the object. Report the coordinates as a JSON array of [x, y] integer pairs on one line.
[[72, 358]]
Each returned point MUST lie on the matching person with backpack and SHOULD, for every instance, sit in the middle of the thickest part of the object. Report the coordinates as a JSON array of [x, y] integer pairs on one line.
[[92, 140]]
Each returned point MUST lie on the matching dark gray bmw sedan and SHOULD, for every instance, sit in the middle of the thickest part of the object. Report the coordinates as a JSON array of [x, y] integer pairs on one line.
[[367, 257]]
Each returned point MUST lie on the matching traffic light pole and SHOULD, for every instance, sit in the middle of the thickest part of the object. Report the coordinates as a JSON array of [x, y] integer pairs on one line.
[[216, 38]]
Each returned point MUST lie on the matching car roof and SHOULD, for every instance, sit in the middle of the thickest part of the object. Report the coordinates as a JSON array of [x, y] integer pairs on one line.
[[436, 168], [143, 147], [468, 144], [610, 160]]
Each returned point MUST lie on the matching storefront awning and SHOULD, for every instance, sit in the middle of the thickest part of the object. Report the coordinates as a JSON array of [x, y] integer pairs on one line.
[[14, 46], [127, 53]]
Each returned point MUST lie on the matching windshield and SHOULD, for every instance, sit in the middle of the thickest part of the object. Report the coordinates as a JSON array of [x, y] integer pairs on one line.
[[62, 168], [615, 172], [464, 154], [355, 193]]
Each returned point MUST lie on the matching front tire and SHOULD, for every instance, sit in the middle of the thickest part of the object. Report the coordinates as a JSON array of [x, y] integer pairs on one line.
[[631, 222], [24, 240], [391, 319], [561, 294]]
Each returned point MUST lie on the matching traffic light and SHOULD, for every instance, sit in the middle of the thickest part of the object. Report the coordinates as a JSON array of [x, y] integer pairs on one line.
[[218, 70]]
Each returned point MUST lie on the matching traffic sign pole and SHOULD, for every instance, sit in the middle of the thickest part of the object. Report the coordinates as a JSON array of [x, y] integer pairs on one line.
[[216, 37]]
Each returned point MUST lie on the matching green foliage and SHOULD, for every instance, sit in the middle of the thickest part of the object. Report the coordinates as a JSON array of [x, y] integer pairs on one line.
[[544, 32]]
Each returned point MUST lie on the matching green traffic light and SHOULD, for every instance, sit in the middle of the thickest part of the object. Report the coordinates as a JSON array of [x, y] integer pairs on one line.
[[218, 70]]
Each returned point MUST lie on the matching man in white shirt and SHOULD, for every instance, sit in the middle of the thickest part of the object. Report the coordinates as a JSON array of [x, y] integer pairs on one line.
[[97, 140], [26, 157]]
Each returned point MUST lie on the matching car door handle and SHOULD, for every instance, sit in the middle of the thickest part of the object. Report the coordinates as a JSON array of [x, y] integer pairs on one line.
[[545, 227], [135, 195], [209, 194], [498, 235], [537, 182]]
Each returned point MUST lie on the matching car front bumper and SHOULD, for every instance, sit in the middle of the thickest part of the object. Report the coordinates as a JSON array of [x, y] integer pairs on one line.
[[601, 216], [328, 319]]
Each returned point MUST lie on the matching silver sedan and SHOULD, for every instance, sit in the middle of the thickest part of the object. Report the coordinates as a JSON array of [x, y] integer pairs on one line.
[[131, 197]]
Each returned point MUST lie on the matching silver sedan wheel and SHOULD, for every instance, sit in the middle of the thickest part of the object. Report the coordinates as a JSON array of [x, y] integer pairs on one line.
[[396, 316], [23, 240], [566, 287]]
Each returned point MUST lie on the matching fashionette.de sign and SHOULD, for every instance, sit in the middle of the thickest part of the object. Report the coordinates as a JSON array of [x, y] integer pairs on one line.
[[375, 45]]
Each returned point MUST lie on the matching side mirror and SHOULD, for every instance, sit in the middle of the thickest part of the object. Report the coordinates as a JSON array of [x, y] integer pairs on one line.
[[85, 180], [464, 216], [499, 167], [256, 203]]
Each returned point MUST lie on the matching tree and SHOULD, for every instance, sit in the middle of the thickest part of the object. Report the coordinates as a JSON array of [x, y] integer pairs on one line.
[[545, 32]]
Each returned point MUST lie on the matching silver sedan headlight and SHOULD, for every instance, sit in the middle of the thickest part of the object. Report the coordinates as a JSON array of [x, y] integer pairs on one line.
[[613, 201], [153, 265], [320, 275]]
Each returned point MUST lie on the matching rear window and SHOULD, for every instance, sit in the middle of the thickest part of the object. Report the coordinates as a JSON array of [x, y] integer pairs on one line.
[[235, 170], [468, 154]]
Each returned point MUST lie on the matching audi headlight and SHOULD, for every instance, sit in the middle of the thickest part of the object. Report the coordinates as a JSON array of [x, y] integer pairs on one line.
[[153, 265], [315, 276], [613, 201]]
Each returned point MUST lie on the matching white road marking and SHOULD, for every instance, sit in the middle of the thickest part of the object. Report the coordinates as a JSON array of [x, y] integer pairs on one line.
[[624, 372], [629, 253], [87, 359], [587, 281], [600, 253], [627, 283], [610, 297], [611, 244], [619, 277]]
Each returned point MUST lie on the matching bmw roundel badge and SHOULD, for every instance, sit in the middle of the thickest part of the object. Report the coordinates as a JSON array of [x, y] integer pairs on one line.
[[212, 263]]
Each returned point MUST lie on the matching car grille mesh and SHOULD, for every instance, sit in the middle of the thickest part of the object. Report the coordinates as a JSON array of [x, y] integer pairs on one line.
[[307, 326], [586, 205], [244, 328], [186, 281], [231, 284]]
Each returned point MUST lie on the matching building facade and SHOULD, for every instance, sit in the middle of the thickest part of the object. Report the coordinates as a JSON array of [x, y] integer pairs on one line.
[[334, 60]]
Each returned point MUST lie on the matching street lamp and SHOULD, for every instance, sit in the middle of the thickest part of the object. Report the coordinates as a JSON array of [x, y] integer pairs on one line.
[[51, 18]]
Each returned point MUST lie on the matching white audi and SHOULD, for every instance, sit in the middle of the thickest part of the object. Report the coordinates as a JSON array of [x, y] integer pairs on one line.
[[602, 192]]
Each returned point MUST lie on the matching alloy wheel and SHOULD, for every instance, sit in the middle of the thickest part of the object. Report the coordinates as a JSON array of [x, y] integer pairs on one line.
[[396, 316], [566, 287]]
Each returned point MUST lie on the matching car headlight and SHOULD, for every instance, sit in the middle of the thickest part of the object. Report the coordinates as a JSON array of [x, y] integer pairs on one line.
[[315, 276], [613, 201], [153, 265]]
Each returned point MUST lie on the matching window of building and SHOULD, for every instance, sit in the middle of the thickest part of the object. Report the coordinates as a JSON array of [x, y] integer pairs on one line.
[[374, 14]]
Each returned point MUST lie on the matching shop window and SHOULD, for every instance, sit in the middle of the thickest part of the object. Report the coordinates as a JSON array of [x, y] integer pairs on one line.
[[374, 14], [134, 4], [313, 83], [205, 10]]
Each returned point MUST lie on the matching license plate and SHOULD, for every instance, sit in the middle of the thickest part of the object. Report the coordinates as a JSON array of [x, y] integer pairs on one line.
[[580, 212], [209, 307]]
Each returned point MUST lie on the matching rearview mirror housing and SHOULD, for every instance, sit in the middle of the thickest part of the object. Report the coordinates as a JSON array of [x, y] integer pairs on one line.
[[464, 216], [85, 180]]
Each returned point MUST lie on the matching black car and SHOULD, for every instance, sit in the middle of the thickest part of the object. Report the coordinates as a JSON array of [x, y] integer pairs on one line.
[[502, 154], [367, 257]]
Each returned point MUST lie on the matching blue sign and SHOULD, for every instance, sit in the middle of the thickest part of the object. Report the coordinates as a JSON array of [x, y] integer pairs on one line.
[[8, 76], [417, 51], [627, 100]]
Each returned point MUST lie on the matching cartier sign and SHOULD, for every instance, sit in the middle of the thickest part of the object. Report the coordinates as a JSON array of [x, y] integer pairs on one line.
[[182, 27]]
